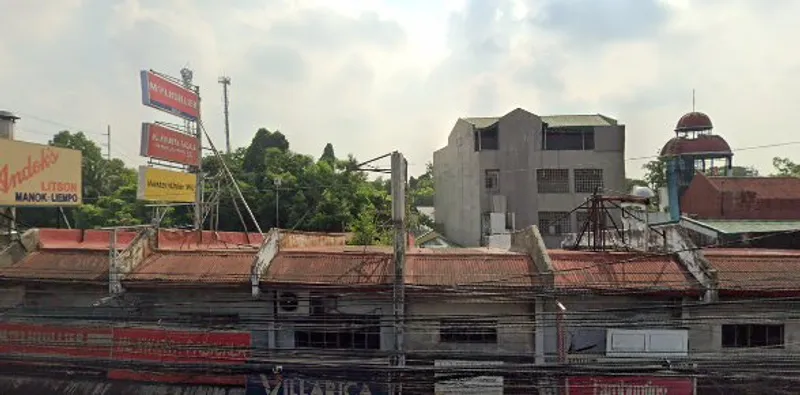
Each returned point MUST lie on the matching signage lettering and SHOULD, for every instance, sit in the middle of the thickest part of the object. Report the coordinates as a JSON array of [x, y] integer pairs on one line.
[[163, 94], [172, 94], [10, 179], [163, 143], [266, 384], [630, 386]]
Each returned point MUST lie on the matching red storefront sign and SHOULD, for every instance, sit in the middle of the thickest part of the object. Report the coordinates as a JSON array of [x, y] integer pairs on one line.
[[159, 346], [162, 143], [180, 347], [63, 341], [165, 95], [630, 386]]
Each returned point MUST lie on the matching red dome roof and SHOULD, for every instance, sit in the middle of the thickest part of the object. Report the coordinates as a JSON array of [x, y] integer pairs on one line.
[[702, 144], [694, 121]]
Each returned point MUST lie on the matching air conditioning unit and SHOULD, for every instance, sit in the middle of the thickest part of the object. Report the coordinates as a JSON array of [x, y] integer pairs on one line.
[[322, 304], [292, 303]]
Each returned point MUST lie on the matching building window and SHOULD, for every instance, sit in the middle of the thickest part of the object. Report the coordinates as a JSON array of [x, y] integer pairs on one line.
[[737, 336], [492, 180], [572, 139], [340, 332], [582, 216], [588, 180], [552, 180], [554, 222], [487, 138], [468, 331]]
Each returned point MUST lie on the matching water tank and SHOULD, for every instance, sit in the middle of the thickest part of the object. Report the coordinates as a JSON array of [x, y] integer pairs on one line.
[[7, 121], [642, 192]]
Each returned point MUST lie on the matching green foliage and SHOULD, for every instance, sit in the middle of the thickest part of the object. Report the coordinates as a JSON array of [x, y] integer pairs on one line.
[[785, 167], [328, 194]]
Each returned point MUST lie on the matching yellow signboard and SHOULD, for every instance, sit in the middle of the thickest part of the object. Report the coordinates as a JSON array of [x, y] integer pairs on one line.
[[158, 185], [39, 175]]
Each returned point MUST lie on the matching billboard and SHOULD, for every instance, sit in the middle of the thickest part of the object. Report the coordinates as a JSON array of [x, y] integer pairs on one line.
[[630, 385], [165, 95], [39, 175], [180, 347], [160, 185], [162, 143]]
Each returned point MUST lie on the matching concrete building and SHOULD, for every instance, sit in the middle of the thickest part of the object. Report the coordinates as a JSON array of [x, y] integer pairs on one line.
[[510, 172]]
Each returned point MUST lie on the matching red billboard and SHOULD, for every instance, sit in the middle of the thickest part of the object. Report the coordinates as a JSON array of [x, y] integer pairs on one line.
[[160, 346], [180, 347], [165, 95], [618, 385], [162, 143], [48, 341]]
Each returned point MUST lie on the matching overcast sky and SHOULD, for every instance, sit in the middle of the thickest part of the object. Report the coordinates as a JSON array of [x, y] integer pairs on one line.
[[373, 76]]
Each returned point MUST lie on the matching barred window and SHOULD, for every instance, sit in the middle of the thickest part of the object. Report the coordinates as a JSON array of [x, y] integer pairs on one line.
[[552, 180], [492, 180], [588, 180], [581, 216], [554, 222], [468, 331]]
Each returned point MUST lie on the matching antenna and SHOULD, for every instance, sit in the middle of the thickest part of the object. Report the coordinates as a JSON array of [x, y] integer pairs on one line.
[[693, 101], [225, 81]]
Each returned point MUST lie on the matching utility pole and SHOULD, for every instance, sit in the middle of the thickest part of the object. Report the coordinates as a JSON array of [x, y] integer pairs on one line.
[[398, 182], [187, 76], [226, 81]]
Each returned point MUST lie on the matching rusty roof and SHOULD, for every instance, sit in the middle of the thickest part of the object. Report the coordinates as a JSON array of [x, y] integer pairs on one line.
[[223, 268], [59, 266], [452, 267], [619, 271], [758, 270], [77, 239], [345, 265], [764, 187], [193, 240]]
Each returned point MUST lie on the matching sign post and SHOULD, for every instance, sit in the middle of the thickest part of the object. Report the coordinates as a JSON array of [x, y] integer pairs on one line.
[[184, 147]]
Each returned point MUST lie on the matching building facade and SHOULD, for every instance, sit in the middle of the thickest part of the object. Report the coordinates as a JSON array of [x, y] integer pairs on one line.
[[504, 173]]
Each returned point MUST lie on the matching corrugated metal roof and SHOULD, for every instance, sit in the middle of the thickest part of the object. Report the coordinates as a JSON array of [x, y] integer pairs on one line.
[[195, 267], [467, 267], [755, 269], [192, 240], [77, 239], [749, 226], [555, 121], [60, 266], [764, 187], [295, 239], [332, 266], [614, 271]]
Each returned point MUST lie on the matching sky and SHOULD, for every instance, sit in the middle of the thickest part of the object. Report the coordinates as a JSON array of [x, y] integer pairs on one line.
[[374, 76]]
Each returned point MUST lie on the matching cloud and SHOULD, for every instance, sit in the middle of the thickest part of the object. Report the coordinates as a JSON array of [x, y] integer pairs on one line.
[[372, 77]]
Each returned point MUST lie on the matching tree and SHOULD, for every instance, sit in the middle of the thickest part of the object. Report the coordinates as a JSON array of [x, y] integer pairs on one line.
[[785, 167], [422, 189], [263, 140], [327, 154], [655, 174]]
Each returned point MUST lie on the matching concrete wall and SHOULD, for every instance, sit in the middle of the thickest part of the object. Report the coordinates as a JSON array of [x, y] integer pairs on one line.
[[459, 174], [458, 181], [705, 334], [515, 325], [364, 304]]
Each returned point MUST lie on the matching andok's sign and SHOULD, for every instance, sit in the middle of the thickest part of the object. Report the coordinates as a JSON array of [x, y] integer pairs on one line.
[[39, 175], [165, 95], [160, 142], [637, 385]]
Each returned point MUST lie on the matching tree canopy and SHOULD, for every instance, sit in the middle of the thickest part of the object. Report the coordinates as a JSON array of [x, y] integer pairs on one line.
[[283, 188]]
